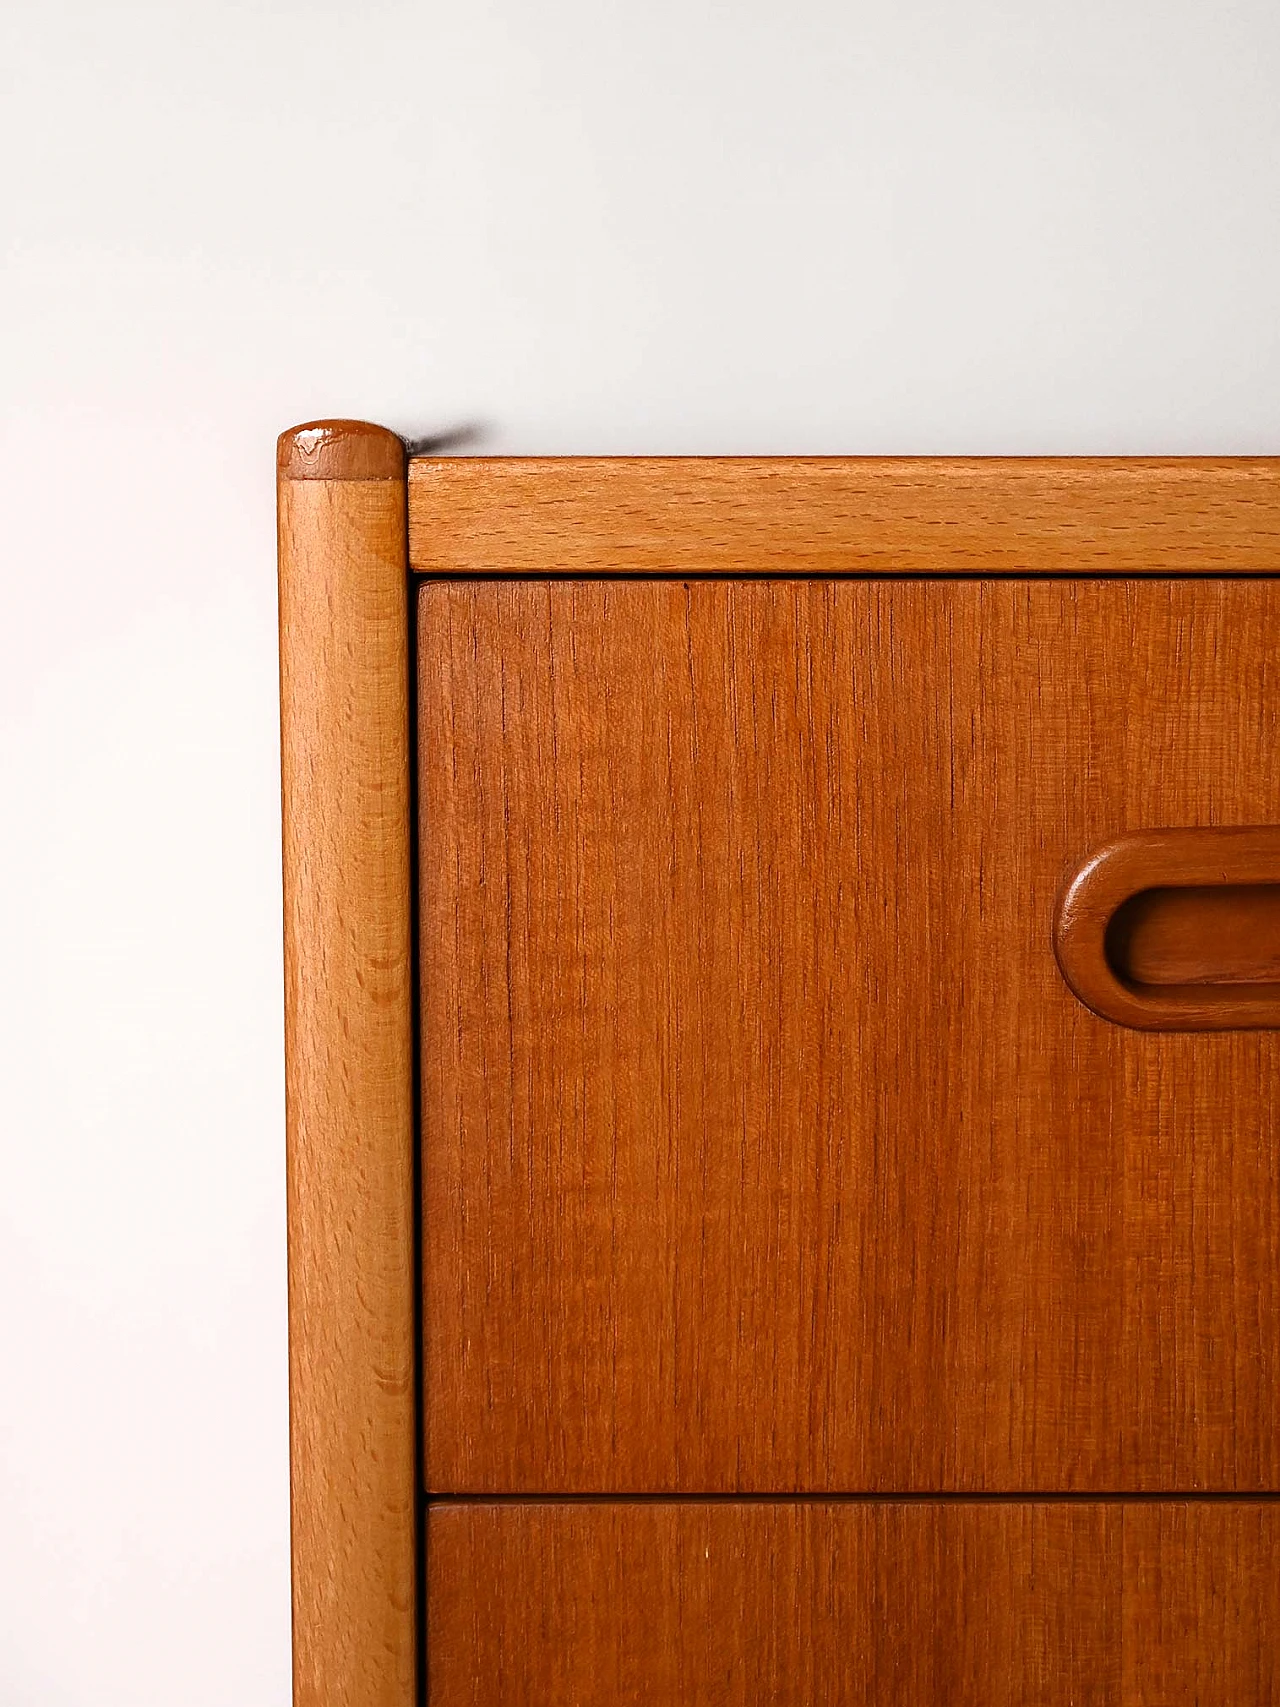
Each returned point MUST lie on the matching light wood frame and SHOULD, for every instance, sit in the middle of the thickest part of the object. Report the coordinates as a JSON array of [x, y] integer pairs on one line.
[[344, 673], [355, 522], [845, 515]]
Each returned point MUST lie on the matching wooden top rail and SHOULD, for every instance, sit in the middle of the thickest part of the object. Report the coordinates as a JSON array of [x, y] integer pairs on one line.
[[844, 515]]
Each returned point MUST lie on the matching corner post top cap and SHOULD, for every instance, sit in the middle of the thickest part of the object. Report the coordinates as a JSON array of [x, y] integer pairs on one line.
[[339, 450]]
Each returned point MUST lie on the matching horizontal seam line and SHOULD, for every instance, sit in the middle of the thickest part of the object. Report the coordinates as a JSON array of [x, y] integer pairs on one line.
[[568, 577], [1037, 1497]]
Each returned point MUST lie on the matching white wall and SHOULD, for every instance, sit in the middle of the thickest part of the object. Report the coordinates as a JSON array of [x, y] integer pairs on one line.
[[580, 225]]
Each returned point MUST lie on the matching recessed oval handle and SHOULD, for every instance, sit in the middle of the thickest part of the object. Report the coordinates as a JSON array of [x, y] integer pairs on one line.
[[1176, 930]]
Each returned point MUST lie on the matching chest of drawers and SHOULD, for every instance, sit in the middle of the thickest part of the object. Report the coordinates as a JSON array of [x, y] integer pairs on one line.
[[783, 968]]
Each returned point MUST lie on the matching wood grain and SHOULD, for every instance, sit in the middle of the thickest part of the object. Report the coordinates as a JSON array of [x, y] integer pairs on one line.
[[1176, 929], [340, 450], [854, 1605], [766, 1148], [852, 515], [345, 726], [1201, 1615], [1229, 935]]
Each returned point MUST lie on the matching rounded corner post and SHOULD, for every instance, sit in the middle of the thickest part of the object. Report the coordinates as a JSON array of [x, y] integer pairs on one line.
[[339, 450], [345, 783]]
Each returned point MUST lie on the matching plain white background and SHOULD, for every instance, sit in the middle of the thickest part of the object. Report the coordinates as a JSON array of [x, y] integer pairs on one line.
[[577, 225]]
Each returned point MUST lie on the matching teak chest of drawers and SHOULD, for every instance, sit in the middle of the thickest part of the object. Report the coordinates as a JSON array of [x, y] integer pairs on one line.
[[783, 969]]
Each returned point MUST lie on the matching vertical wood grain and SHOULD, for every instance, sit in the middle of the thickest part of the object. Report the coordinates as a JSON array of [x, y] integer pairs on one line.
[[345, 763], [855, 1604], [849, 1605], [1202, 1604], [767, 1149]]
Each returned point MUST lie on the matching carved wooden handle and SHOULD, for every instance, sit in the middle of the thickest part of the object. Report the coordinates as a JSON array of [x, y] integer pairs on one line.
[[1176, 930]]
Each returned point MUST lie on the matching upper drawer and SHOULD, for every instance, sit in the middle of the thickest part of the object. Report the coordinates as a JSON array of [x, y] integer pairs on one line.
[[765, 1147]]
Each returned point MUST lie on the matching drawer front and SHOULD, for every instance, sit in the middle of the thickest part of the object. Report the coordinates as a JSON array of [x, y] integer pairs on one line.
[[960, 1604], [764, 1146]]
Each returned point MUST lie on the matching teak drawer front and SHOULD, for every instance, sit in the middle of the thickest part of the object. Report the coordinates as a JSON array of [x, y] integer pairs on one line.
[[764, 1146], [960, 1604]]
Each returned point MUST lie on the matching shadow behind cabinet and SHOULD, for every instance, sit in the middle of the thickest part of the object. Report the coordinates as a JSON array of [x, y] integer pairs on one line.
[[782, 965]]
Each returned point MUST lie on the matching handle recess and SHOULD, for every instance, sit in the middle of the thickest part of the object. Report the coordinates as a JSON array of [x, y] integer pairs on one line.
[[1176, 930]]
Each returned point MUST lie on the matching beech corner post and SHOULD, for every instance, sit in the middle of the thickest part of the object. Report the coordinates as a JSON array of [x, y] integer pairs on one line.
[[344, 650]]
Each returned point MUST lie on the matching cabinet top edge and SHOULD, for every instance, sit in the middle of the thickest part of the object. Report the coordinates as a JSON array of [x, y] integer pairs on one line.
[[811, 515]]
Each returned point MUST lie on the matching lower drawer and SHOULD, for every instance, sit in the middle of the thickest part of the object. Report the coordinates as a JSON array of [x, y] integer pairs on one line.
[[958, 1603]]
